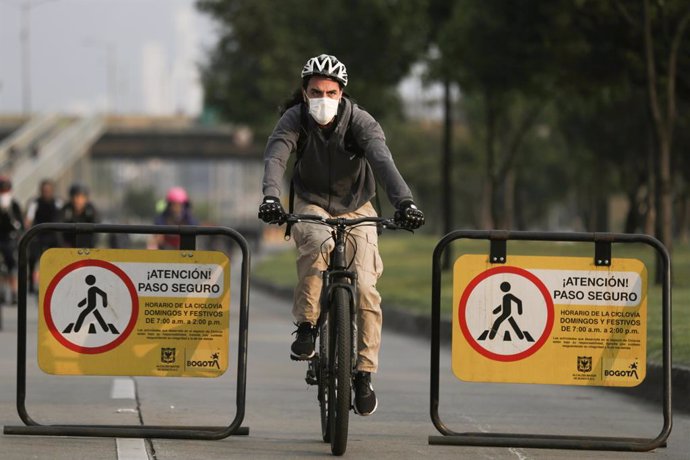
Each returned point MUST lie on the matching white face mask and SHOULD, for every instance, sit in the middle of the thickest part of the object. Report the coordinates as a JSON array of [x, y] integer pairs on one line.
[[5, 200], [323, 109]]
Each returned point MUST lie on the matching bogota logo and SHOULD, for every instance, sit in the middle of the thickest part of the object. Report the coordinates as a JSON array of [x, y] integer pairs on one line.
[[213, 362], [631, 371], [167, 355], [584, 364]]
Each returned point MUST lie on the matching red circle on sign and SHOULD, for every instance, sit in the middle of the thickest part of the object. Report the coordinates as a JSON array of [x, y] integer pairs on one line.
[[49, 297], [462, 307]]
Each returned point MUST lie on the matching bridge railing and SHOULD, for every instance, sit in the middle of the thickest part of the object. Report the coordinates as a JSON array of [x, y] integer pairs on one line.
[[24, 137], [57, 155]]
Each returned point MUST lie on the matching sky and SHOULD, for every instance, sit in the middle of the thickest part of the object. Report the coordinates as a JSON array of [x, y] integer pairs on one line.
[[123, 57], [90, 56]]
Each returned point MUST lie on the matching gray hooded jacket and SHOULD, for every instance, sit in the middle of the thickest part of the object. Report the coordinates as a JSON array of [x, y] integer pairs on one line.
[[327, 174]]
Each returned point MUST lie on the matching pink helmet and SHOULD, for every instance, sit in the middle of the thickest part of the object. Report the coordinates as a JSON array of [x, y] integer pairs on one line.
[[5, 184], [177, 195]]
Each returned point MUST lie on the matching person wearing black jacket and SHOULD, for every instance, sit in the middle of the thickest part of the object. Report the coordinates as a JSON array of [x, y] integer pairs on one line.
[[42, 209], [78, 210], [11, 227]]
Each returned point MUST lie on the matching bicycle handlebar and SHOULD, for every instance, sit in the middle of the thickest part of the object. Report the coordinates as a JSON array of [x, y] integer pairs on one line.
[[386, 223]]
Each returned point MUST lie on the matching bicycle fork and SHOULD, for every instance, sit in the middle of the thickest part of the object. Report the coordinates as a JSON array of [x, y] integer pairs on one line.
[[344, 279], [332, 280]]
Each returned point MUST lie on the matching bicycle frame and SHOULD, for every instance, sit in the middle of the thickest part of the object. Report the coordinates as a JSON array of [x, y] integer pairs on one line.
[[337, 276], [333, 322]]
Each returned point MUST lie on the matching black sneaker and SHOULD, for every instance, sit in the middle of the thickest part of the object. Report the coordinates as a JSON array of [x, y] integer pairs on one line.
[[365, 398], [303, 346]]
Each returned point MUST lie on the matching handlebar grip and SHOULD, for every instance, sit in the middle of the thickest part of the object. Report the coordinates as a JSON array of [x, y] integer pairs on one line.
[[294, 218]]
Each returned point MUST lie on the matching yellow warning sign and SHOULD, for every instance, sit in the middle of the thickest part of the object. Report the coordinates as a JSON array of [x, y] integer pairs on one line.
[[553, 320], [134, 312]]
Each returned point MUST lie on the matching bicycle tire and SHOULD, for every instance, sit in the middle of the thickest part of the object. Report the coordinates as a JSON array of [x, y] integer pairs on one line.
[[322, 378], [340, 377]]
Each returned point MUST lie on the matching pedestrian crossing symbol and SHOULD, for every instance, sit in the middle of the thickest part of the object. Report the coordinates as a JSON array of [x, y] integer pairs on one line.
[[91, 306], [505, 313], [134, 312], [549, 320], [504, 310]]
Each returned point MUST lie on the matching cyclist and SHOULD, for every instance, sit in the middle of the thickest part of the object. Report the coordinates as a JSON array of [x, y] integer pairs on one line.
[[341, 152], [44, 208], [11, 226], [177, 211], [78, 210]]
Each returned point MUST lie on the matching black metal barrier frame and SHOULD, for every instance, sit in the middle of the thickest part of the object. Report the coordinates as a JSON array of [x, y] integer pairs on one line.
[[602, 257], [188, 236]]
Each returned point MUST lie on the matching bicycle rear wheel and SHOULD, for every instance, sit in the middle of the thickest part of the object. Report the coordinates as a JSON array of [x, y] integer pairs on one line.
[[323, 377], [340, 375]]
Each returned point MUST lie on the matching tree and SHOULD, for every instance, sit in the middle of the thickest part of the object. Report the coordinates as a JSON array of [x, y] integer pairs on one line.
[[648, 40], [439, 13], [592, 127], [602, 62], [663, 109], [263, 45], [498, 50]]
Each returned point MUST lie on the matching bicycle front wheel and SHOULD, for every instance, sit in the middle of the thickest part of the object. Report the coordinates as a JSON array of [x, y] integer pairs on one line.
[[340, 364], [323, 376]]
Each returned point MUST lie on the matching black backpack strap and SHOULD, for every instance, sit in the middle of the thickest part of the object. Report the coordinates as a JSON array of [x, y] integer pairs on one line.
[[351, 144], [303, 131], [299, 149]]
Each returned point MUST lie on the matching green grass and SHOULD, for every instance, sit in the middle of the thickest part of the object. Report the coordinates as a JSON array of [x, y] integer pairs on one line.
[[406, 282]]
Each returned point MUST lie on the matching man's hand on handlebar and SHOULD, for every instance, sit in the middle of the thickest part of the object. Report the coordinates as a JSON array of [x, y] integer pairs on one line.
[[408, 216], [271, 211]]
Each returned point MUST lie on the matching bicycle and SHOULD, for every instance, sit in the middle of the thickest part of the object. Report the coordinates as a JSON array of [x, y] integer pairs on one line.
[[333, 367]]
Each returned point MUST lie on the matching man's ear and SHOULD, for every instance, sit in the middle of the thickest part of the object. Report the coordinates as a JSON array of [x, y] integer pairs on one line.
[[304, 96]]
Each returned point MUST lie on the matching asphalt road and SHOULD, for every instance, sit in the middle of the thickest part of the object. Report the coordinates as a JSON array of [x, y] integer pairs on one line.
[[282, 411]]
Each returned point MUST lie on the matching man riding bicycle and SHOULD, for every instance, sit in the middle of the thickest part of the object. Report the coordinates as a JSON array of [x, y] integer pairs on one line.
[[341, 154]]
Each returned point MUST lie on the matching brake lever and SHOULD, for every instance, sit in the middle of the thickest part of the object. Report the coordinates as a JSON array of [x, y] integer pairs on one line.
[[280, 221], [393, 226]]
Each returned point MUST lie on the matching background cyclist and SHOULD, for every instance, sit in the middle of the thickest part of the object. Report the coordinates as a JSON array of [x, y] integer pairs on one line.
[[77, 210], [42, 209], [177, 211], [335, 177], [11, 227]]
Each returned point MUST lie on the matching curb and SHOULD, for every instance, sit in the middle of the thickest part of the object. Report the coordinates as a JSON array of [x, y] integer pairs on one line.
[[415, 324]]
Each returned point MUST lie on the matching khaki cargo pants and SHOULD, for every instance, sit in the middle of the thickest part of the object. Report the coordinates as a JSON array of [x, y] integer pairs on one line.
[[314, 244]]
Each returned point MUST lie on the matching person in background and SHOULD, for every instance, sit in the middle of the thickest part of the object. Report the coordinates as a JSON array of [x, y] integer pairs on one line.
[[42, 209], [77, 211], [11, 227], [177, 212]]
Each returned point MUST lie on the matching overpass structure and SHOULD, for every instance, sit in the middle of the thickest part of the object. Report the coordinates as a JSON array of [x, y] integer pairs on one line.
[[220, 166], [46, 145]]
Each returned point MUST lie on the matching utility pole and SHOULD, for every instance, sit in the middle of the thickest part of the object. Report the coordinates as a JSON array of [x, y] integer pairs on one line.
[[24, 34], [446, 168], [25, 48]]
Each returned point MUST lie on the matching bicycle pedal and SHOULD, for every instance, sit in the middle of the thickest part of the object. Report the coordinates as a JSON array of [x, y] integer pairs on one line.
[[311, 378], [297, 358]]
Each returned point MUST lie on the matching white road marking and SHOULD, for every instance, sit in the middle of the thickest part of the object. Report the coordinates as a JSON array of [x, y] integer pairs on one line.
[[123, 388], [127, 448], [131, 449]]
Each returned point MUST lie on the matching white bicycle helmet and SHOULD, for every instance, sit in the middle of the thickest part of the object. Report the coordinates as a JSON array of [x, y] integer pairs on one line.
[[326, 65]]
